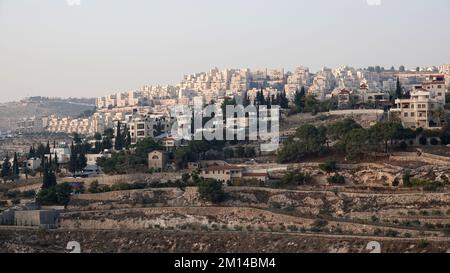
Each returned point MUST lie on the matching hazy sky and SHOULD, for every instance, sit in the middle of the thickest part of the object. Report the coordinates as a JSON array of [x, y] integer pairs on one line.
[[51, 48]]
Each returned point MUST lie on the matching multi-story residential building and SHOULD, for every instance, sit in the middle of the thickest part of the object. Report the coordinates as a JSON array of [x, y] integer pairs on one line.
[[224, 173], [121, 99], [62, 151], [445, 69], [32, 125], [366, 95], [145, 126], [343, 96], [424, 108], [267, 92], [294, 82], [324, 82]]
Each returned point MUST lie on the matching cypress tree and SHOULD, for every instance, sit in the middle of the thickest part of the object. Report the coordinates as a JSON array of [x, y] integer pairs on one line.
[[40, 150], [299, 99], [73, 162], [398, 90], [47, 148], [118, 145], [49, 178], [268, 101], [56, 162], [246, 101], [32, 152], [128, 141], [82, 161], [15, 167], [6, 169], [284, 102]]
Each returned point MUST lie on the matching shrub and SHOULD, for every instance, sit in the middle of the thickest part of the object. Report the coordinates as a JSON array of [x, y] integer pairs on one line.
[[403, 146], [57, 195], [391, 233], [120, 187], [292, 228], [433, 186], [423, 243], [407, 179], [434, 142], [94, 187], [13, 194], [320, 223], [436, 213], [295, 179], [139, 185], [185, 177], [447, 231], [211, 190], [396, 182], [275, 205], [377, 232], [237, 228], [423, 141], [329, 166], [424, 213], [336, 179]]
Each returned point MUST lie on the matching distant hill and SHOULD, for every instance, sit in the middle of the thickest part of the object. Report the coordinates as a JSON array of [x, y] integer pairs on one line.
[[11, 112]]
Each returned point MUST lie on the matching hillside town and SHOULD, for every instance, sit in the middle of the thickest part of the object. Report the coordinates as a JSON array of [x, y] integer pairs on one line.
[[362, 154], [391, 90]]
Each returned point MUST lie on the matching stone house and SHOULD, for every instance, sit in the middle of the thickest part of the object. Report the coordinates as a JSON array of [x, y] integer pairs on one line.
[[157, 160]]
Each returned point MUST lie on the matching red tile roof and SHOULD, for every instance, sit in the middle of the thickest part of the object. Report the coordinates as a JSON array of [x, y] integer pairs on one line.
[[255, 174], [222, 168]]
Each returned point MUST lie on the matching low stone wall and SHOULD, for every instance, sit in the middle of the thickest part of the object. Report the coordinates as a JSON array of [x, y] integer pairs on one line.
[[205, 218], [37, 218], [7, 217], [423, 157], [357, 112]]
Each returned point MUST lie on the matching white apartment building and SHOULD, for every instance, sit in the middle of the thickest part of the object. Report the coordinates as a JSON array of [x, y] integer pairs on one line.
[[268, 92], [422, 109], [445, 69], [324, 82], [63, 152], [294, 82], [145, 126], [32, 125]]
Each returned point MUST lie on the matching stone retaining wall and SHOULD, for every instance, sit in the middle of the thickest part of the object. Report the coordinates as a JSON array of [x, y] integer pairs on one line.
[[423, 157]]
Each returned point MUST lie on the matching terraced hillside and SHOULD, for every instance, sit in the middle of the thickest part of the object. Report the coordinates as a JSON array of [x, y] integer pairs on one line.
[[252, 219]]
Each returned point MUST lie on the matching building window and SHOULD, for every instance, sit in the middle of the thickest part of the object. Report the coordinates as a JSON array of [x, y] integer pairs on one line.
[[406, 115], [413, 114]]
